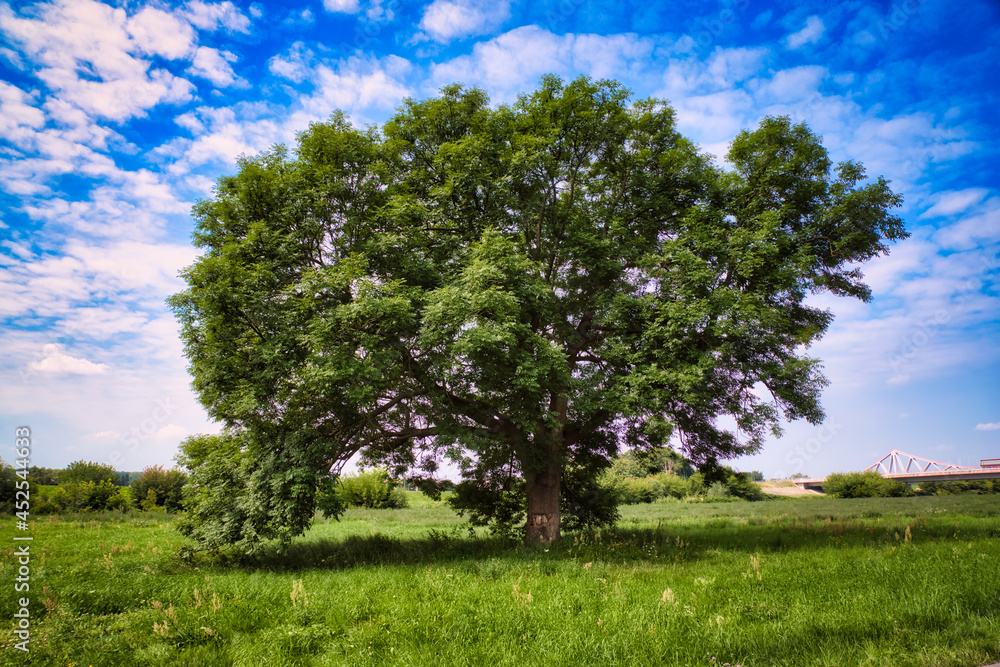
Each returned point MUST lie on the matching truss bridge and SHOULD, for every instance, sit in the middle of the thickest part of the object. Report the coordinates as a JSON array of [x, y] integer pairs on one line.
[[908, 468]]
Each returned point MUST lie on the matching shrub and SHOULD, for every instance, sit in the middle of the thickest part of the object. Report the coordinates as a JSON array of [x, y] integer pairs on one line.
[[584, 503], [8, 487], [718, 490], [47, 500], [975, 487], [87, 496], [496, 506], [46, 476], [644, 463], [636, 490], [122, 500], [157, 488], [79, 472], [867, 484], [372, 489], [740, 485], [328, 499], [672, 486]]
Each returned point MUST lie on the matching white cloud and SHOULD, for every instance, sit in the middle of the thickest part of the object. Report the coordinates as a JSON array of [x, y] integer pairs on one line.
[[295, 66], [955, 201], [224, 134], [363, 88], [446, 20], [156, 32], [377, 12], [19, 117], [795, 84], [171, 432], [728, 67], [102, 435], [514, 61], [61, 363], [808, 35], [55, 154], [213, 65], [342, 6], [84, 53], [992, 426], [979, 228], [209, 16]]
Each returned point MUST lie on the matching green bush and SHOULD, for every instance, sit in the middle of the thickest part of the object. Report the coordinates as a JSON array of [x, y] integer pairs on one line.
[[867, 484], [651, 488], [661, 460], [973, 486], [8, 487], [122, 500], [166, 487], [80, 472], [583, 502], [636, 490], [46, 476], [500, 507], [47, 499], [718, 490], [372, 489], [740, 485], [328, 498], [88, 496]]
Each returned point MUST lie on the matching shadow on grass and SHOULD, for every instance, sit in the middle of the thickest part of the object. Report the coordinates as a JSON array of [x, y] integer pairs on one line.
[[665, 542]]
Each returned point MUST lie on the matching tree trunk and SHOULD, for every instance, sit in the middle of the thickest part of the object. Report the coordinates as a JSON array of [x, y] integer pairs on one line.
[[543, 505]]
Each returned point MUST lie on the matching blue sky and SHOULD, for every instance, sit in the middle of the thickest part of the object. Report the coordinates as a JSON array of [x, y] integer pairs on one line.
[[117, 117]]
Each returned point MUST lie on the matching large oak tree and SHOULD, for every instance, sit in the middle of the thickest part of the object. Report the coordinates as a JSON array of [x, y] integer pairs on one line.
[[528, 288]]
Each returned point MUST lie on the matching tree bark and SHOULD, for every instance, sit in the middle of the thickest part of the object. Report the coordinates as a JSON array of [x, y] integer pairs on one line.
[[543, 505]]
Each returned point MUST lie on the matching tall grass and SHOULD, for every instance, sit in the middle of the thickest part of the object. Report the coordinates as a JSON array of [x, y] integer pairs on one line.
[[901, 581]]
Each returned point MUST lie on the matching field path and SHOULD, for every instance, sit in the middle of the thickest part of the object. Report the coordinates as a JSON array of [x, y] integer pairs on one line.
[[793, 491]]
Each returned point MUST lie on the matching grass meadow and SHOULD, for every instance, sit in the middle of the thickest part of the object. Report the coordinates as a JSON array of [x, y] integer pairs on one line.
[[804, 581]]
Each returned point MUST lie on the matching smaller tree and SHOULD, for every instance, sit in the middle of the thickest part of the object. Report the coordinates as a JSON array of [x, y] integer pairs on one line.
[[88, 496], [741, 485], [80, 472], [867, 484], [243, 489], [974, 487], [88, 486], [43, 476], [157, 487], [372, 489], [8, 487]]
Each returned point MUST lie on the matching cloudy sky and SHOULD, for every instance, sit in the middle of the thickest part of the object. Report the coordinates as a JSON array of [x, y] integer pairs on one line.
[[117, 117]]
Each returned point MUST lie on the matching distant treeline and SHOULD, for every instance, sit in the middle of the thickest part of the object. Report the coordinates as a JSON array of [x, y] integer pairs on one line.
[[870, 484], [662, 474], [50, 476], [84, 486]]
